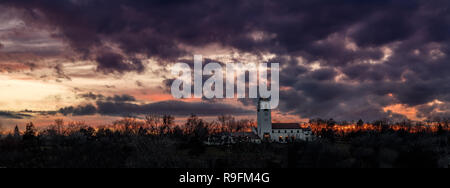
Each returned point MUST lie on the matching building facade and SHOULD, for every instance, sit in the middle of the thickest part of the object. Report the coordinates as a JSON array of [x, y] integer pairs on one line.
[[289, 132]]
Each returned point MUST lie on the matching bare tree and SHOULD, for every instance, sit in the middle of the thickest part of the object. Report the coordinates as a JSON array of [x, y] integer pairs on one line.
[[128, 125], [215, 127], [2, 128], [59, 126], [191, 123], [226, 121], [152, 122], [16, 132], [168, 120], [73, 127], [360, 123], [244, 125], [30, 132]]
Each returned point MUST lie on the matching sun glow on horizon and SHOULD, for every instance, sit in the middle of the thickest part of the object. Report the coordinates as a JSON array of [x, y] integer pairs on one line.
[[18, 94]]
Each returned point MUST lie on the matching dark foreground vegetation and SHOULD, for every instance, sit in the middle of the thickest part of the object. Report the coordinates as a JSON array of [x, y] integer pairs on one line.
[[131, 144]]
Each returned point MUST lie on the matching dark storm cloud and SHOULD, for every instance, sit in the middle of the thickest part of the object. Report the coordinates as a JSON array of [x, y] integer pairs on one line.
[[13, 115], [340, 107], [391, 24], [156, 28], [164, 107], [170, 107], [347, 38], [79, 110], [110, 62], [60, 72], [167, 83], [91, 96], [324, 74], [100, 97], [433, 111], [139, 84], [122, 105], [121, 98]]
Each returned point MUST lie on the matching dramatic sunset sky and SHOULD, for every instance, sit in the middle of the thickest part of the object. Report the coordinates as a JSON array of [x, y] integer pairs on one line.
[[98, 60]]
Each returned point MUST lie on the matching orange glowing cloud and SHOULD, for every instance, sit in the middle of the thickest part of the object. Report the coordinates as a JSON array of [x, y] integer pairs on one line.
[[409, 112]]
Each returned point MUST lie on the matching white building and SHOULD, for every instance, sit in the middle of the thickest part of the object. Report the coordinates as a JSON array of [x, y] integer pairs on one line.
[[279, 132], [288, 132]]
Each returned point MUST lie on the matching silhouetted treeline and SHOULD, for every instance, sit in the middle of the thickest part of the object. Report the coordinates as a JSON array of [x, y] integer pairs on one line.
[[157, 142], [341, 129]]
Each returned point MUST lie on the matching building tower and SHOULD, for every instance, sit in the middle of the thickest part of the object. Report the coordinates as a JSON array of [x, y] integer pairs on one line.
[[264, 119]]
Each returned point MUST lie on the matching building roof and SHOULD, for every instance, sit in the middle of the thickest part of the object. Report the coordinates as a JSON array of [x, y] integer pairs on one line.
[[286, 126]]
